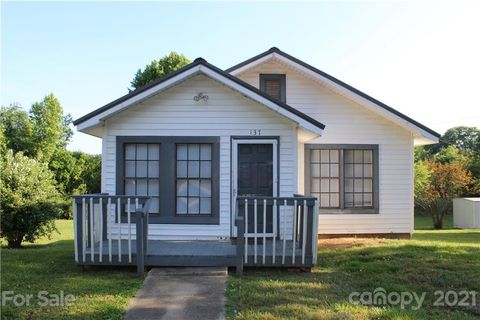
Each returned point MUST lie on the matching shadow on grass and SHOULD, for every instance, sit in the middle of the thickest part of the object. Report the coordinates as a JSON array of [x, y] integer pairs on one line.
[[323, 294], [460, 237], [100, 294]]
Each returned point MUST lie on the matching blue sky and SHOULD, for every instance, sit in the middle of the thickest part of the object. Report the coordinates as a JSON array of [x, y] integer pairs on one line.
[[419, 57]]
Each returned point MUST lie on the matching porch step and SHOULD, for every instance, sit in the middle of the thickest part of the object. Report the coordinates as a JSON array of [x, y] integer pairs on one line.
[[189, 271]]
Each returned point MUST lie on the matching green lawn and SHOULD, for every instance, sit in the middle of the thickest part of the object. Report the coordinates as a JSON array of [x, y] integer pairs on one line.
[[49, 266], [433, 260], [425, 222]]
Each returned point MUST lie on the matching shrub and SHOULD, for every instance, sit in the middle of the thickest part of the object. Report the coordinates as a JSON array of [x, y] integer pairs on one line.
[[29, 200]]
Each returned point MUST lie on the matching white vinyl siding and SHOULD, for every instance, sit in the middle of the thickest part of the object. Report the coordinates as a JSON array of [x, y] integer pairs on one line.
[[349, 123], [225, 114]]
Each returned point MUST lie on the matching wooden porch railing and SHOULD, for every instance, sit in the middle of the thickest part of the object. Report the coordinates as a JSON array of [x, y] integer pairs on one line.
[[276, 231], [110, 230]]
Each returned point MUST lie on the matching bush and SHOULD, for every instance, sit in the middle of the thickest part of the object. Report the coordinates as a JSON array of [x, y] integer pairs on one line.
[[29, 201]]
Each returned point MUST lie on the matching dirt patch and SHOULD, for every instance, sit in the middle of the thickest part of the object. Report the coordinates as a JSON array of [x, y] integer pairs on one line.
[[348, 242]]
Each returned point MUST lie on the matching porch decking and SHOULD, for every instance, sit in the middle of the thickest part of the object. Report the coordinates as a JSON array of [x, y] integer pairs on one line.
[[271, 231], [168, 253], [203, 253]]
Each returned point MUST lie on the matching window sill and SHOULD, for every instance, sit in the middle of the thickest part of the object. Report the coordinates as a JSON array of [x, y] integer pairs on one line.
[[350, 211]]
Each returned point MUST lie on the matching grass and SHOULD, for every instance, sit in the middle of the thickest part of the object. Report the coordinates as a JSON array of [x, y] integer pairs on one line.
[[425, 222], [432, 260], [49, 266]]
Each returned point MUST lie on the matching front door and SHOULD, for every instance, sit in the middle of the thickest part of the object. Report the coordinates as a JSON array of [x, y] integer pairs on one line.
[[255, 174]]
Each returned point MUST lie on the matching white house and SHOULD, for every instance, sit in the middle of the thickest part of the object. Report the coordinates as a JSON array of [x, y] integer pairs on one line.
[[271, 126]]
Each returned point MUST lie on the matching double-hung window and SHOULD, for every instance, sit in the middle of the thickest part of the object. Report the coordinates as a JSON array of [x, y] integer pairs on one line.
[[142, 168], [180, 174], [194, 178], [344, 178]]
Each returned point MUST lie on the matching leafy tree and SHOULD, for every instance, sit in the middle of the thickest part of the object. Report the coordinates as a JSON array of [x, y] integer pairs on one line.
[[91, 174], [29, 201], [38, 133], [68, 170], [436, 184], [420, 154], [3, 141], [75, 172], [158, 68], [51, 128], [466, 139], [17, 129], [422, 175], [451, 154], [474, 167]]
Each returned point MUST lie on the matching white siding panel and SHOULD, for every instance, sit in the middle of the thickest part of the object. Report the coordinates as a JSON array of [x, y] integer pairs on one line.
[[349, 123], [175, 113]]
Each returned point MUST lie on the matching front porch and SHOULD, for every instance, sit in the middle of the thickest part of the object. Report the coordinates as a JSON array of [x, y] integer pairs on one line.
[[282, 232]]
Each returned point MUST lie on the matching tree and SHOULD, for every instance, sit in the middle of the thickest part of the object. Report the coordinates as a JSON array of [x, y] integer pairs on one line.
[[91, 174], [38, 133], [51, 128], [464, 138], [29, 201], [436, 184], [420, 154], [451, 154], [158, 68], [3, 142], [75, 172], [17, 129]]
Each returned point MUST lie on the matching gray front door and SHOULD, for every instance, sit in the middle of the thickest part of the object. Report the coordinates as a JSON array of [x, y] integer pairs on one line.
[[255, 178], [255, 170]]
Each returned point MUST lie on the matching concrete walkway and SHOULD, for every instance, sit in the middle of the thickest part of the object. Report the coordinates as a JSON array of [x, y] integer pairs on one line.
[[180, 293]]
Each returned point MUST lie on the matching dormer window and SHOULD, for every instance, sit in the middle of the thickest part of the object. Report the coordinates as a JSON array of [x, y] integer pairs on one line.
[[273, 85]]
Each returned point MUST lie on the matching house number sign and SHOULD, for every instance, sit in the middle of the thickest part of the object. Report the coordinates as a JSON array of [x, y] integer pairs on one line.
[[255, 132]]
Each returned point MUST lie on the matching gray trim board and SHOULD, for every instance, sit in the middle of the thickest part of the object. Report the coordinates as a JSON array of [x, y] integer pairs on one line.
[[167, 189], [335, 80], [200, 61], [342, 147]]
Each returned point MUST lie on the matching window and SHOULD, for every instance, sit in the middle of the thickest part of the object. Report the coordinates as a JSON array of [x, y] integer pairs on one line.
[[142, 167], [325, 172], [343, 177], [358, 178], [194, 179], [181, 174], [274, 85]]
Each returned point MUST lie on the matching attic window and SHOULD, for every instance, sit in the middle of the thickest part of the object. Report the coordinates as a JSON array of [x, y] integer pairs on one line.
[[274, 85]]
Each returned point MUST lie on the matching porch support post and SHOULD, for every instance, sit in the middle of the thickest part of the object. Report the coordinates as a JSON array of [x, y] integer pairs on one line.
[[311, 236], [79, 230], [239, 221], [140, 243]]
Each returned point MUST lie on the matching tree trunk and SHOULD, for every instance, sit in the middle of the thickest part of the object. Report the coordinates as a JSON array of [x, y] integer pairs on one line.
[[15, 243], [438, 222]]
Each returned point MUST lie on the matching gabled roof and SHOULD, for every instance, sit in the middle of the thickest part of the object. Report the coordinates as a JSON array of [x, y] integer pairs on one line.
[[198, 66], [238, 68]]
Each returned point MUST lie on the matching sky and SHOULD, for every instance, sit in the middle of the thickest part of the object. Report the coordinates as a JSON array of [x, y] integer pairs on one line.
[[421, 58]]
